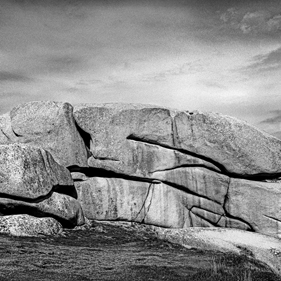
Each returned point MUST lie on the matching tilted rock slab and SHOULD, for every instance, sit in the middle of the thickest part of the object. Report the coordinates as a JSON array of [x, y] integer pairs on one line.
[[258, 203], [63, 208], [45, 124], [231, 145], [26, 225], [261, 247], [156, 202], [31, 182], [29, 172]]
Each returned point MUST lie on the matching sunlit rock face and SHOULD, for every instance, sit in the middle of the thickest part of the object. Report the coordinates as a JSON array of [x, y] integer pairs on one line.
[[48, 125], [177, 169], [139, 163], [26, 225]]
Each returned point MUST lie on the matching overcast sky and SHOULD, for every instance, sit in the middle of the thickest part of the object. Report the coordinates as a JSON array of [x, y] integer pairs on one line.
[[222, 56]]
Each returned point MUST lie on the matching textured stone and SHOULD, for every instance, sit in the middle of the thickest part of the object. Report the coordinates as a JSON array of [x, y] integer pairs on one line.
[[50, 125], [261, 247], [257, 203], [150, 203], [239, 147], [112, 198], [6, 133], [229, 144], [110, 126], [28, 172], [25, 225], [64, 208], [197, 180]]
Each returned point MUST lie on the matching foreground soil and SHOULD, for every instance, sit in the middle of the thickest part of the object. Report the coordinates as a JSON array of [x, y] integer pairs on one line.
[[108, 251]]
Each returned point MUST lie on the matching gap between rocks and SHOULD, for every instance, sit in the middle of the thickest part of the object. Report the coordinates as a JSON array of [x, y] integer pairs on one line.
[[223, 170]]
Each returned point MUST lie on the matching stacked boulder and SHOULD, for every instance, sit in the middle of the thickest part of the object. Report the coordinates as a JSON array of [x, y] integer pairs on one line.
[[38, 141], [138, 163]]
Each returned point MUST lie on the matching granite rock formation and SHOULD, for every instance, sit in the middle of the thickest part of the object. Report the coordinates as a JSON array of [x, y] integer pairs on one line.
[[177, 169], [139, 163]]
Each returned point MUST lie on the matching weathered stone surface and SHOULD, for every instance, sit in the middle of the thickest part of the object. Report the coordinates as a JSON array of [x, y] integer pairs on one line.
[[111, 149], [50, 125], [261, 247], [224, 142], [150, 203], [258, 203], [112, 198], [64, 208], [6, 133], [28, 172], [197, 180], [239, 147], [25, 225]]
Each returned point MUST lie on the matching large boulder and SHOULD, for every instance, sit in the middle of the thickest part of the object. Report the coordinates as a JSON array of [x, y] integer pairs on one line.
[[254, 245], [48, 125], [63, 208], [231, 145], [157, 203], [26, 225], [31, 182], [258, 203], [29, 172]]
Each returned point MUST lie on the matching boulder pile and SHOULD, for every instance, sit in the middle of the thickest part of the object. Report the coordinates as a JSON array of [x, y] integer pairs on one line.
[[139, 163]]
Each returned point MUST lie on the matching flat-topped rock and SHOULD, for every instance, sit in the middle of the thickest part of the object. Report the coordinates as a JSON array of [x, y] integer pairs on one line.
[[121, 133]]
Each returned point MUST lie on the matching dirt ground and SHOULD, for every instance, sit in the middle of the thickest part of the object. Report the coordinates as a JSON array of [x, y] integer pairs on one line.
[[119, 252]]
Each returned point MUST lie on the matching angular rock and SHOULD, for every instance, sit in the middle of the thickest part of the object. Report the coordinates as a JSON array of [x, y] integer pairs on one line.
[[200, 181], [110, 127], [224, 142], [150, 203], [29, 173], [239, 147], [258, 203], [6, 133], [112, 198], [64, 208], [25, 225], [261, 247], [50, 125]]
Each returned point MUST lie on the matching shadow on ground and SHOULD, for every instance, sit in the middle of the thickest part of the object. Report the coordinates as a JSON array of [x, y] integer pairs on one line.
[[119, 252]]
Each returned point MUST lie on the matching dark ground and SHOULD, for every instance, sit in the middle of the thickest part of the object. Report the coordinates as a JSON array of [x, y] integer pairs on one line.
[[112, 252]]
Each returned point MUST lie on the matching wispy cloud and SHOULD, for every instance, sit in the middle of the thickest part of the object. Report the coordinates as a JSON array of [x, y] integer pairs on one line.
[[265, 62], [276, 119], [63, 63], [6, 76], [253, 22], [182, 69]]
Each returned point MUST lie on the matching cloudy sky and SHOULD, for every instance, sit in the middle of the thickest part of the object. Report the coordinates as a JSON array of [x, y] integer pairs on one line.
[[219, 55]]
